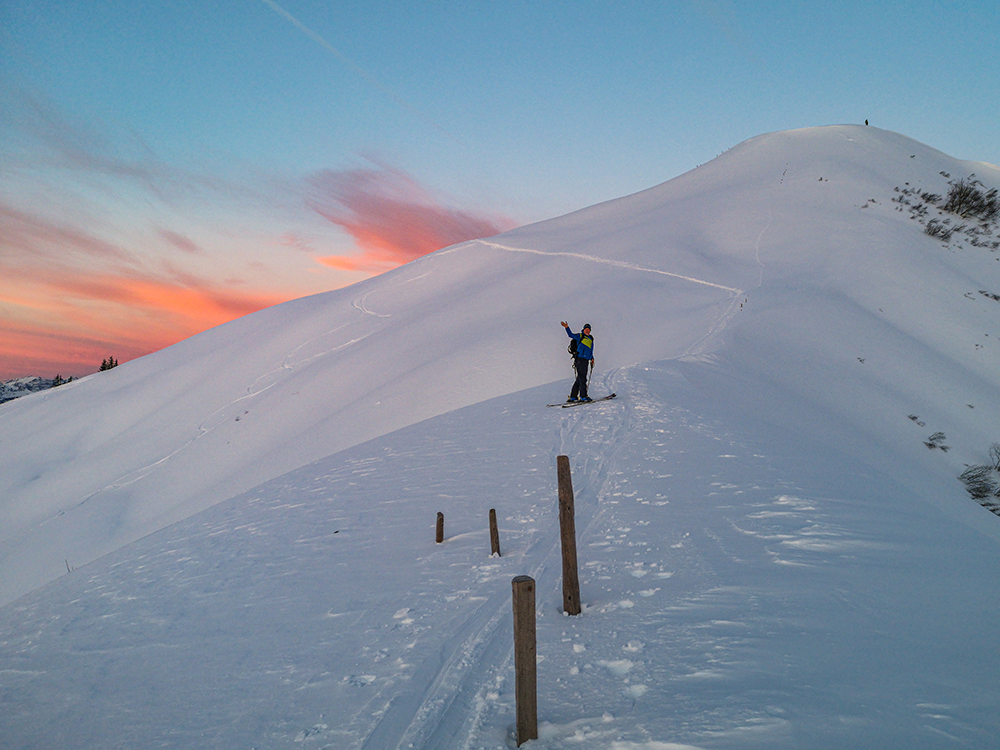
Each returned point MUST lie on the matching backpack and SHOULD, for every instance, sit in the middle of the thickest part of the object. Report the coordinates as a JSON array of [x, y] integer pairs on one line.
[[572, 346]]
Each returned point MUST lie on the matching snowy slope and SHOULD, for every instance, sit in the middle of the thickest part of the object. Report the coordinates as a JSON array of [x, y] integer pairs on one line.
[[224, 411], [761, 512], [742, 588], [783, 225]]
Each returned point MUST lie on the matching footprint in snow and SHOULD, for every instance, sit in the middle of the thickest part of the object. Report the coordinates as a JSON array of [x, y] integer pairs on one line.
[[314, 730], [636, 691], [360, 680], [618, 668], [401, 615]]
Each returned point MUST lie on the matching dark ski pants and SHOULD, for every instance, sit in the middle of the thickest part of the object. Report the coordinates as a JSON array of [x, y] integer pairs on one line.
[[582, 367]]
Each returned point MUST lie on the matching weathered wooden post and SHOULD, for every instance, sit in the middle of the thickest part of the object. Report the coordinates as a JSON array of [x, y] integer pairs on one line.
[[440, 528], [567, 532], [494, 534], [525, 664]]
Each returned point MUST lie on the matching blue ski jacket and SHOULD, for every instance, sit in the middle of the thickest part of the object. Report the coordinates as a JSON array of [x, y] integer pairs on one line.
[[585, 344]]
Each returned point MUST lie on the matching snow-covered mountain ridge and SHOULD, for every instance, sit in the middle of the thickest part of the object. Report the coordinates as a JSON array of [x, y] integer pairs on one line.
[[782, 260], [775, 550]]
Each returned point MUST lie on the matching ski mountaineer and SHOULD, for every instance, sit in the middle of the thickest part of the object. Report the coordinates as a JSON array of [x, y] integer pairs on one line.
[[583, 360]]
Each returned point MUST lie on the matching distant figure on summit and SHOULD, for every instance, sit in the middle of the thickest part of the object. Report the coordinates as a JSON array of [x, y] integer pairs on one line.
[[583, 359]]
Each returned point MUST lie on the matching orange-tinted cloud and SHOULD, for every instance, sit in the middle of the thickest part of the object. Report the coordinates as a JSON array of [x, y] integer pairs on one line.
[[392, 218], [69, 298], [67, 323], [127, 253]]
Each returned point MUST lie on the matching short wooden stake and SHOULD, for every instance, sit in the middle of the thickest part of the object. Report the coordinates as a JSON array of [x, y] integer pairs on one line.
[[567, 532], [494, 534], [525, 663], [440, 528]]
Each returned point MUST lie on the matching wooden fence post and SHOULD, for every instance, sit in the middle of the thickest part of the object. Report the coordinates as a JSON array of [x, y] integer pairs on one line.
[[567, 532], [494, 534], [440, 528], [525, 664]]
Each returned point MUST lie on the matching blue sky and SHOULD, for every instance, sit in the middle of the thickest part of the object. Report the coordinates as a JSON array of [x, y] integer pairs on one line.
[[212, 158]]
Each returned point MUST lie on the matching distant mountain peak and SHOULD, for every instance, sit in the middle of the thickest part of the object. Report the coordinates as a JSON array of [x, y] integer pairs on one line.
[[11, 389]]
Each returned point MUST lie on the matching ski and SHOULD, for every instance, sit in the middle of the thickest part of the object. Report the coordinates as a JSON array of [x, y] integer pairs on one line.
[[568, 404], [592, 401]]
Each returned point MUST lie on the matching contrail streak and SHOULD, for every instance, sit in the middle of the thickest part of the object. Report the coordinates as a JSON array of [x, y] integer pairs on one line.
[[356, 68]]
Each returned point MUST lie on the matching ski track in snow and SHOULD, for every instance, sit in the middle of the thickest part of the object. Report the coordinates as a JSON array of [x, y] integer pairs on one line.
[[694, 350], [225, 414], [710, 645], [262, 383], [698, 562], [705, 343], [756, 251], [359, 305], [593, 259], [446, 698]]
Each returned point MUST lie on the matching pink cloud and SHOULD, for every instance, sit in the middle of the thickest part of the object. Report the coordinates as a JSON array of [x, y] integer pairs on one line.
[[28, 235], [63, 321], [181, 242], [92, 271], [392, 218], [69, 298], [97, 268]]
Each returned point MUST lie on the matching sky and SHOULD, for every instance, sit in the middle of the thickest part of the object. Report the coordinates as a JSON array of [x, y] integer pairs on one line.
[[167, 167]]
